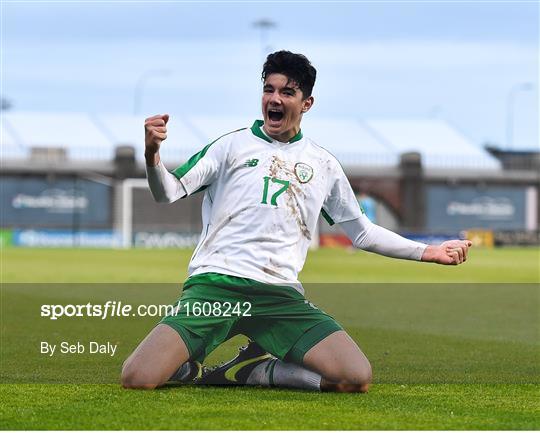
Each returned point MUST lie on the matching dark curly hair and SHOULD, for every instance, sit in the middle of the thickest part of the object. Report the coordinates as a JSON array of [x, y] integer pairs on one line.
[[296, 67]]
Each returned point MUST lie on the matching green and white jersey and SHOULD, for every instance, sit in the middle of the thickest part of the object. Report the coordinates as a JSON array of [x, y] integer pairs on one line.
[[261, 204]]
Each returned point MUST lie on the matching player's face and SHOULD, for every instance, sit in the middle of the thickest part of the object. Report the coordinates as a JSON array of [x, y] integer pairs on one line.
[[283, 105]]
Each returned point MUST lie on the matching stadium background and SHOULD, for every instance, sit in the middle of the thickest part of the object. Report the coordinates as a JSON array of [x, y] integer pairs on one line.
[[83, 185], [431, 108]]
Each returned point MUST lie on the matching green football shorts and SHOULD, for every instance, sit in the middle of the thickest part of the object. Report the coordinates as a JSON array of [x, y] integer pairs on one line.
[[215, 307]]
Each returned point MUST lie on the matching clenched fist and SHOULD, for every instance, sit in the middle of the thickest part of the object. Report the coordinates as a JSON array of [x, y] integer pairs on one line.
[[448, 253], [155, 131]]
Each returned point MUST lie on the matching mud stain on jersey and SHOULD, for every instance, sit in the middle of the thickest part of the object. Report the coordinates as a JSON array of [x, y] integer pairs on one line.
[[279, 169], [294, 210], [276, 165], [211, 234], [272, 270], [223, 256]]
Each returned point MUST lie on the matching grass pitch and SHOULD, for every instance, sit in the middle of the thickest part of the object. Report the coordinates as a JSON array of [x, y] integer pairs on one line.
[[459, 354]]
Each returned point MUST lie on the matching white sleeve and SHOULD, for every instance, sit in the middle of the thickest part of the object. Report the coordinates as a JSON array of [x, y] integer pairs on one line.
[[370, 237], [203, 168], [165, 187], [340, 203]]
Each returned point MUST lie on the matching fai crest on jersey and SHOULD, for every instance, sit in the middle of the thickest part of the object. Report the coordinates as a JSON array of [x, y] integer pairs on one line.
[[303, 172]]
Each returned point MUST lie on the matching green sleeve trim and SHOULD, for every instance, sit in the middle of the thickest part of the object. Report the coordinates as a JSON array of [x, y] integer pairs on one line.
[[202, 188], [327, 217], [181, 171]]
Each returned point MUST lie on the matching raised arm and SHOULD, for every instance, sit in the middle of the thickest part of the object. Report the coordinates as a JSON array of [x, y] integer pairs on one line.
[[165, 187], [370, 237]]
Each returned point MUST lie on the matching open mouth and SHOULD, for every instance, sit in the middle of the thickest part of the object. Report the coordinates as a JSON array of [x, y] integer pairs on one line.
[[275, 115]]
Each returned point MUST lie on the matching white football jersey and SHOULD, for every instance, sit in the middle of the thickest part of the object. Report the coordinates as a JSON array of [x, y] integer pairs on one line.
[[262, 202]]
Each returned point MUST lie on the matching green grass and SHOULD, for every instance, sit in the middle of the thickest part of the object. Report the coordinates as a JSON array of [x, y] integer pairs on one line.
[[456, 407], [333, 265], [450, 348]]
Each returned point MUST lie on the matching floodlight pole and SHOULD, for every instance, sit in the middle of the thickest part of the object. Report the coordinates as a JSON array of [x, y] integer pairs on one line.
[[264, 25], [141, 83], [510, 106]]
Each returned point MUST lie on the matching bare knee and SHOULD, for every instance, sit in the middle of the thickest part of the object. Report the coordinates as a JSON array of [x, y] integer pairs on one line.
[[361, 377], [133, 377], [355, 379]]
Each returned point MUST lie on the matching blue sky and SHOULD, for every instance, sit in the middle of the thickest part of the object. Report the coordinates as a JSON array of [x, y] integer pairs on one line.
[[453, 60]]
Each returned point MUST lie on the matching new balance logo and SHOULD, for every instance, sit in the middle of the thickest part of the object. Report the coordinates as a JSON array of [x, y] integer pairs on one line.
[[251, 163]]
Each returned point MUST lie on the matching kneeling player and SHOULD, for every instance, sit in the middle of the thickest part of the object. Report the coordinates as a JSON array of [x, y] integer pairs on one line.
[[265, 187]]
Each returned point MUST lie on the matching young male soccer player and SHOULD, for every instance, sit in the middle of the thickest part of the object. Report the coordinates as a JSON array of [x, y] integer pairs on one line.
[[265, 187]]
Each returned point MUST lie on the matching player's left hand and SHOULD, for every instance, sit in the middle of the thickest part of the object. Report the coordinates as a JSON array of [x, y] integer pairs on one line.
[[452, 252]]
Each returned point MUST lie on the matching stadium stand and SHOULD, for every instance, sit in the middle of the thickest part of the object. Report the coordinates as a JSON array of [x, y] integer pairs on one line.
[[78, 179], [364, 142]]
